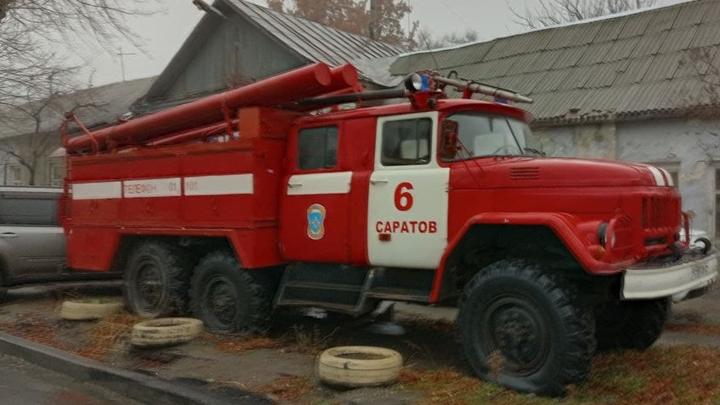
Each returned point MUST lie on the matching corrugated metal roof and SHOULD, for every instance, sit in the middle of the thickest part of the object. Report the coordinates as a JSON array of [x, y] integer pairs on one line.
[[314, 41], [631, 65], [102, 105]]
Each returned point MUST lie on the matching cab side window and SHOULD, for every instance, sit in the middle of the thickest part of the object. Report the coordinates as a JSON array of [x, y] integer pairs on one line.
[[406, 142], [317, 148]]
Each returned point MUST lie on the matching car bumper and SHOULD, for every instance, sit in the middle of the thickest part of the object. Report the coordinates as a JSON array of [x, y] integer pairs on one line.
[[691, 277]]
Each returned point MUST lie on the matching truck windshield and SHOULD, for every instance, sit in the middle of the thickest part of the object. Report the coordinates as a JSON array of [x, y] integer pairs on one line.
[[488, 135]]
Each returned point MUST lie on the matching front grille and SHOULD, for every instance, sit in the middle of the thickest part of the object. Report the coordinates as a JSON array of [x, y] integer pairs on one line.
[[660, 212]]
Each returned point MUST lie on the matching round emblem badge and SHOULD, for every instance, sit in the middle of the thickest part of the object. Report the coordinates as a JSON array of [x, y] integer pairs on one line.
[[316, 221]]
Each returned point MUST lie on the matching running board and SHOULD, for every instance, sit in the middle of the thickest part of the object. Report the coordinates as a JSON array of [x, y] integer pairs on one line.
[[335, 288], [347, 289]]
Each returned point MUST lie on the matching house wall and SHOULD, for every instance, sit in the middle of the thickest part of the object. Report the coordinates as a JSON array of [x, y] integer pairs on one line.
[[235, 53], [689, 146], [49, 170]]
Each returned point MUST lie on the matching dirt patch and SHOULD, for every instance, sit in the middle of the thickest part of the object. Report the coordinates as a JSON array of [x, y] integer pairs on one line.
[[106, 335], [240, 344], [35, 327], [290, 389], [659, 376], [696, 329]]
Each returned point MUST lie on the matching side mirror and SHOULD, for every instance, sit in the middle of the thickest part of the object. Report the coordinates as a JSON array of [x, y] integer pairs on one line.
[[449, 140]]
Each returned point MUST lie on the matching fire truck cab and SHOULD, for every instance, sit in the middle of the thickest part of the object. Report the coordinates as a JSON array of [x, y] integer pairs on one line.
[[429, 199]]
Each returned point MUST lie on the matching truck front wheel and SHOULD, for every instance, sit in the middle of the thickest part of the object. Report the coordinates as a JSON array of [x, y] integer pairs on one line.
[[227, 298], [156, 280], [525, 329], [631, 324]]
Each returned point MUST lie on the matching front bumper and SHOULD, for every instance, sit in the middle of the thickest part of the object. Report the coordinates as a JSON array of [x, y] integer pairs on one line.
[[690, 276]]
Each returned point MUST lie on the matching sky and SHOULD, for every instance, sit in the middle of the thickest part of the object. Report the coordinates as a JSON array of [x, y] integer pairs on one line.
[[164, 32]]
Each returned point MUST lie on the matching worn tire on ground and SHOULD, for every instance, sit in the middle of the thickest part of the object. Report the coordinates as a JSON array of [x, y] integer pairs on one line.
[[90, 308], [159, 269], [165, 332], [228, 298], [631, 324], [359, 366], [525, 328]]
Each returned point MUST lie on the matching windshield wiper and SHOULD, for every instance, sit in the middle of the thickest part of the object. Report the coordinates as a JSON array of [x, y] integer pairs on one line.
[[535, 151]]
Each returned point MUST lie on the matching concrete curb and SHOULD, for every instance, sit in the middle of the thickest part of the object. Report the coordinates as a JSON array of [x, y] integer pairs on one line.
[[140, 387]]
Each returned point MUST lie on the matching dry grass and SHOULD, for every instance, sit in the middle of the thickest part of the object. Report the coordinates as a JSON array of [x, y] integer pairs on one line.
[[674, 375], [288, 388], [34, 327], [106, 334], [441, 386], [236, 345], [696, 329], [310, 340]]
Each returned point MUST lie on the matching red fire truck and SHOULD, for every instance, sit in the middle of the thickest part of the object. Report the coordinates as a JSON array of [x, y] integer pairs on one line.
[[304, 190]]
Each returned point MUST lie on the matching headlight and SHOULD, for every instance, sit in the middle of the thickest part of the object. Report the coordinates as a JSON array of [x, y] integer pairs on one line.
[[612, 239], [602, 233]]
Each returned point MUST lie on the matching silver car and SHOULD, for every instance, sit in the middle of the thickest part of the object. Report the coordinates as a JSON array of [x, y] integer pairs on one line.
[[32, 242]]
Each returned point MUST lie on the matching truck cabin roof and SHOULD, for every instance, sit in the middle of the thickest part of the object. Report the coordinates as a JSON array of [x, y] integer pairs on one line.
[[443, 106]]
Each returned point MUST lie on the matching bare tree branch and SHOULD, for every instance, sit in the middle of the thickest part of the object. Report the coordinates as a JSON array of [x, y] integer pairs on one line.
[[30, 29], [554, 12]]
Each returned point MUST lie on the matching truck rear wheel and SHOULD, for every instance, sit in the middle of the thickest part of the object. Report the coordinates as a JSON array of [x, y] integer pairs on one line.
[[631, 324], [525, 329], [156, 278], [227, 298]]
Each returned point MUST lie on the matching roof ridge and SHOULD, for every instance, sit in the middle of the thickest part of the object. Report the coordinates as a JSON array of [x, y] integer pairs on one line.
[[555, 27], [361, 37]]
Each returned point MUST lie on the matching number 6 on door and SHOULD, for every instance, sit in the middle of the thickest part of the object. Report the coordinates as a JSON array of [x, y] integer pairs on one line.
[[403, 197]]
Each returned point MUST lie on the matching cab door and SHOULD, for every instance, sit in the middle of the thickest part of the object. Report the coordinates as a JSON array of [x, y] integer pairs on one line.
[[408, 196], [316, 201]]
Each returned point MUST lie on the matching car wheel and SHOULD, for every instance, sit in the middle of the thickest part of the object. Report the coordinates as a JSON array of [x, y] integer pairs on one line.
[[156, 280], [524, 328], [227, 298]]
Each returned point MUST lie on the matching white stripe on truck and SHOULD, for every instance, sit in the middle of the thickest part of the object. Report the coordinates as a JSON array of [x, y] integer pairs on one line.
[[219, 185], [319, 183], [152, 188], [97, 191], [230, 184]]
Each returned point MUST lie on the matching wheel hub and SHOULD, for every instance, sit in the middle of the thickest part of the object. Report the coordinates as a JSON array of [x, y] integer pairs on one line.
[[149, 286], [221, 300], [515, 329]]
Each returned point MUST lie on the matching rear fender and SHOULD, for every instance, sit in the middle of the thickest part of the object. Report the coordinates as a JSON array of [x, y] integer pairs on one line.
[[562, 225]]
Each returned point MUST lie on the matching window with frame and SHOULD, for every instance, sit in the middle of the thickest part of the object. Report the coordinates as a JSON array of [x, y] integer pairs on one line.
[[317, 148], [406, 142], [29, 209], [56, 174], [15, 175]]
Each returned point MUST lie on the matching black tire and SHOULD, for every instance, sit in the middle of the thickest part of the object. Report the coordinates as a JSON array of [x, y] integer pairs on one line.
[[631, 324], [3, 294], [229, 299], [525, 329], [156, 280]]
